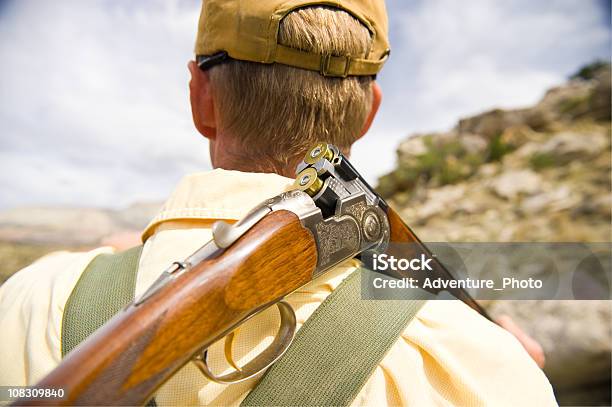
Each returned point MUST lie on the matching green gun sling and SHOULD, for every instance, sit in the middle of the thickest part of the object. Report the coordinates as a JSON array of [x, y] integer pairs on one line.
[[105, 287], [336, 350]]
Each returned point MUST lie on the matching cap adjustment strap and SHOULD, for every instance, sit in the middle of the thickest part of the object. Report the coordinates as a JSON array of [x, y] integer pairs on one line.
[[328, 65]]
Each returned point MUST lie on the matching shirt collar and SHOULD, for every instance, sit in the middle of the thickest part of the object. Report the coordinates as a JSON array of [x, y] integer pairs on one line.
[[218, 194]]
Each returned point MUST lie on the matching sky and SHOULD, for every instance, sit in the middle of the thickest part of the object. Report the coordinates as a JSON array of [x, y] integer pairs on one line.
[[94, 105]]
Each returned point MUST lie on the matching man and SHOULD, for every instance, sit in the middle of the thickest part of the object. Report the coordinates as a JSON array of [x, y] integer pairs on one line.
[[259, 119]]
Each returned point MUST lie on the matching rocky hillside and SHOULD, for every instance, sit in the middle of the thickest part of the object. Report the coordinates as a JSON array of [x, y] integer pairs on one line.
[[536, 174]]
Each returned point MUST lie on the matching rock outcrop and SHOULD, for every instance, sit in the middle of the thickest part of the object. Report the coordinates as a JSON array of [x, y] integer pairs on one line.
[[535, 174]]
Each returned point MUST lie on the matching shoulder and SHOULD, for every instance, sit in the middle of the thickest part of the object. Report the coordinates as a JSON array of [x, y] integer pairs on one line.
[[52, 275], [32, 303], [472, 358]]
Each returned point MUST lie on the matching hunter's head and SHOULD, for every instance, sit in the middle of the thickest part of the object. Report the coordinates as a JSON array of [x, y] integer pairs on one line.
[[272, 77]]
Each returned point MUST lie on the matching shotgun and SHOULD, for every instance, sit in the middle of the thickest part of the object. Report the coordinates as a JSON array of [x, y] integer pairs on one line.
[[332, 215]]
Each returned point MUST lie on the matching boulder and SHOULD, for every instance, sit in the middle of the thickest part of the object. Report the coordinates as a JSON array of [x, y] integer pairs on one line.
[[473, 143], [511, 184], [568, 146]]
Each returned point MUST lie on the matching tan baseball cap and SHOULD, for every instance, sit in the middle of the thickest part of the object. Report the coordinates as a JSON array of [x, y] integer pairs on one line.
[[248, 29]]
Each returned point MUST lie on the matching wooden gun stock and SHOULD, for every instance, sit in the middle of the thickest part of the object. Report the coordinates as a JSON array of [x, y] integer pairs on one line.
[[127, 359]]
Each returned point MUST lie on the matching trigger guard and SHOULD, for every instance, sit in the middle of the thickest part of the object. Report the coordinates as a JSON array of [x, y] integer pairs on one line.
[[265, 359]]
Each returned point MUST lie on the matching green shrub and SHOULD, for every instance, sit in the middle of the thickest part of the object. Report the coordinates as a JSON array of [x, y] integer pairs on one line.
[[589, 71], [540, 161], [444, 162], [498, 148], [577, 104]]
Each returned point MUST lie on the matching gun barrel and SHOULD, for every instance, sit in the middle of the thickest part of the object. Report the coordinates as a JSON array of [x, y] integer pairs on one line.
[[401, 233]]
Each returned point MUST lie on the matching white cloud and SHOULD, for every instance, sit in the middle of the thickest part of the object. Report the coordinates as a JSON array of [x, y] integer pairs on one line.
[[94, 104]]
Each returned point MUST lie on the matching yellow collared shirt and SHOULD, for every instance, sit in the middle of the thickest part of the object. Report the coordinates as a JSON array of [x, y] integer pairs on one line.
[[448, 354]]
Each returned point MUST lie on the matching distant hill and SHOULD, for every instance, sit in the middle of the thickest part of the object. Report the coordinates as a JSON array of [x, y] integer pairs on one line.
[[28, 233], [71, 226]]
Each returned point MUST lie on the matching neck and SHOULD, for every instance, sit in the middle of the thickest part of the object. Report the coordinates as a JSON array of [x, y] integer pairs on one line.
[[233, 157]]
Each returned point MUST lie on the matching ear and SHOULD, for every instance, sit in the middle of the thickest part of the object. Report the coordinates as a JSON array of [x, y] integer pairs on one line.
[[376, 99], [202, 102]]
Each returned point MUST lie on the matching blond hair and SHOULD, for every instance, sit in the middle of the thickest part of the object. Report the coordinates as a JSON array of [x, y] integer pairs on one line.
[[276, 111]]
